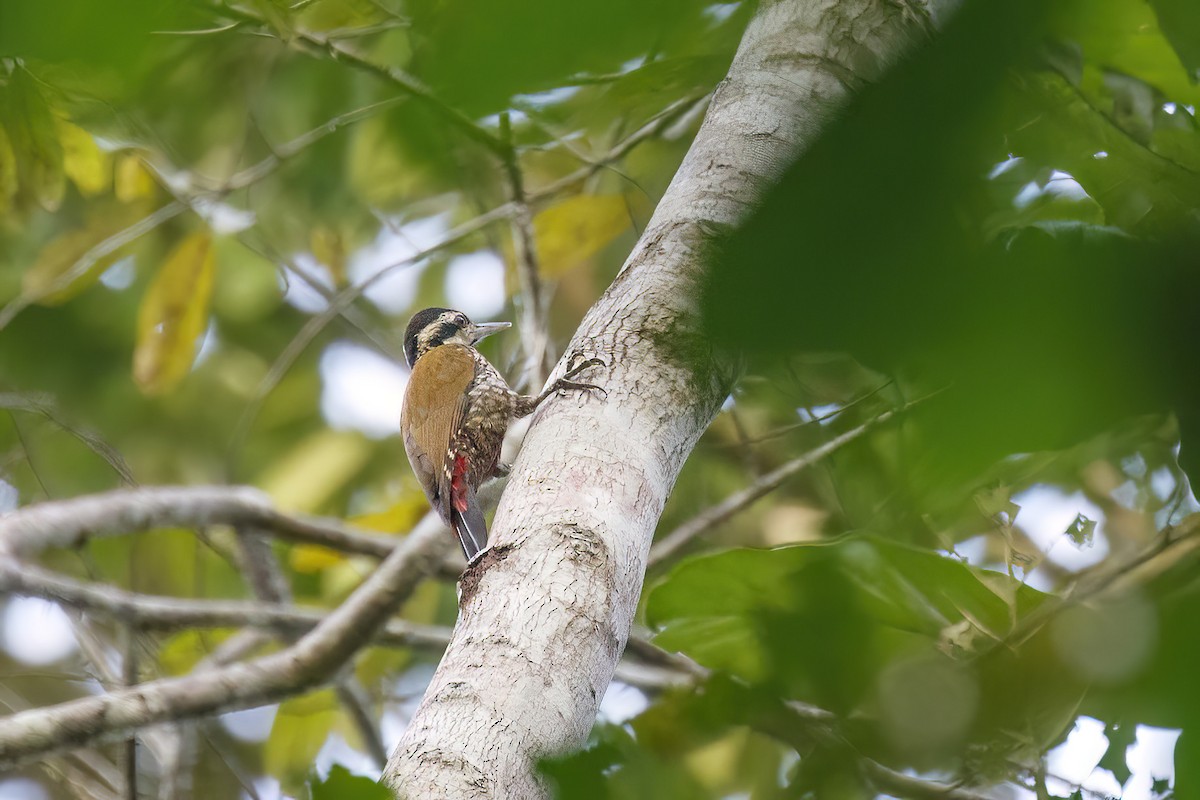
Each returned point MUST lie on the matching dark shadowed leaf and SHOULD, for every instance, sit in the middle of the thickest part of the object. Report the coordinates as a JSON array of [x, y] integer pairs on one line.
[[341, 784]]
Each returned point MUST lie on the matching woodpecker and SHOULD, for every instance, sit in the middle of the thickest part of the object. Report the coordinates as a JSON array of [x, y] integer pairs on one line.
[[457, 408]]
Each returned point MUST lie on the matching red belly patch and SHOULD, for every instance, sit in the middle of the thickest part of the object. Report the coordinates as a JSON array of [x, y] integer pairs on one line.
[[458, 484]]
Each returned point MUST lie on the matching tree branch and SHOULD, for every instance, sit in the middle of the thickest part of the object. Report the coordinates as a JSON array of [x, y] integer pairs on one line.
[[68, 523], [311, 661], [545, 613]]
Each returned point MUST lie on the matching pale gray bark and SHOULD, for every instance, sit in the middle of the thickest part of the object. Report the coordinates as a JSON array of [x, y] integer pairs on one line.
[[545, 614]]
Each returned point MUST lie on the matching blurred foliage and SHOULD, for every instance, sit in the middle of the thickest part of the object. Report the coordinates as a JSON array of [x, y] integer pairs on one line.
[[997, 243], [342, 785], [1004, 232]]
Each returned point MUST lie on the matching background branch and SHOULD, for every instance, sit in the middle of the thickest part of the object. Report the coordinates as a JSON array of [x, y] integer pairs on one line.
[[310, 662]]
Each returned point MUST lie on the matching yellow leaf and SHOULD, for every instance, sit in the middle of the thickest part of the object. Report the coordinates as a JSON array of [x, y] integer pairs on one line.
[[576, 229], [329, 249], [398, 518], [316, 468], [84, 162], [180, 652], [8, 172], [173, 315], [131, 181], [41, 282], [311, 558]]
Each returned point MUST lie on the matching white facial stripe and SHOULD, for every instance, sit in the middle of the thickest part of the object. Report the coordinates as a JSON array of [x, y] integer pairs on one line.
[[427, 336]]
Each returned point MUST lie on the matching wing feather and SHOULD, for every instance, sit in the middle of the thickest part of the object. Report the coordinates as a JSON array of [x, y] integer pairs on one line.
[[441, 374]]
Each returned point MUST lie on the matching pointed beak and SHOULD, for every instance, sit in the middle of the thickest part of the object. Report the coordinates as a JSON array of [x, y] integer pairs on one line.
[[482, 329]]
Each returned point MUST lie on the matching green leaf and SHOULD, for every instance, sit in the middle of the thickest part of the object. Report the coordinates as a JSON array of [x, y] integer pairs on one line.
[[8, 172], [1180, 23], [341, 784], [735, 611], [1124, 36], [614, 767], [34, 137]]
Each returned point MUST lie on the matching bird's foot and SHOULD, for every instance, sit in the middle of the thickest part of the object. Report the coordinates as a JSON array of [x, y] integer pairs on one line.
[[578, 363], [575, 365]]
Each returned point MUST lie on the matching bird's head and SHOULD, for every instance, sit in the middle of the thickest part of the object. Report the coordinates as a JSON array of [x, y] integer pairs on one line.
[[437, 326]]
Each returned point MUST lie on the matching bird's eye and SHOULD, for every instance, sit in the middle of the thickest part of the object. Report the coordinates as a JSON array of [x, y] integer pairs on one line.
[[461, 320]]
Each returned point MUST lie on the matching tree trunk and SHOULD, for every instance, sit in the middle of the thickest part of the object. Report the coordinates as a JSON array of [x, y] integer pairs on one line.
[[545, 614]]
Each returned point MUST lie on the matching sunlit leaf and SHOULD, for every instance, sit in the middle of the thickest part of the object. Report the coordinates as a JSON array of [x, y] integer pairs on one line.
[[576, 229], [310, 558], [89, 167], [1124, 36], [173, 315], [399, 517], [1180, 23], [131, 181], [180, 653]]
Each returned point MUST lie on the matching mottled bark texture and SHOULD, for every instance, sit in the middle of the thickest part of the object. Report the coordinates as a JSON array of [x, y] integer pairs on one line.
[[545, 614]]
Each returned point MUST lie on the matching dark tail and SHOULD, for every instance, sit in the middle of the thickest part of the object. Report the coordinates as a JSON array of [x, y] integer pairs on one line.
[[470, 527]]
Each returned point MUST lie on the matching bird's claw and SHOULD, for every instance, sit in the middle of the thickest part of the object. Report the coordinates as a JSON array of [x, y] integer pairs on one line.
[[563, 385], [575, 365], [578, 363]]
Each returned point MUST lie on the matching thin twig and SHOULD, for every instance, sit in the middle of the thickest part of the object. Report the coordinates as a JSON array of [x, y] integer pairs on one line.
[[650, 129], [353, 316], [397, 77], [85, 262], [308, 663], [902, 785], [293, 147], [28, 451], [712, 516], [1163, 553], [785, 429], [153, 613], [535, 337], [43, 404]]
